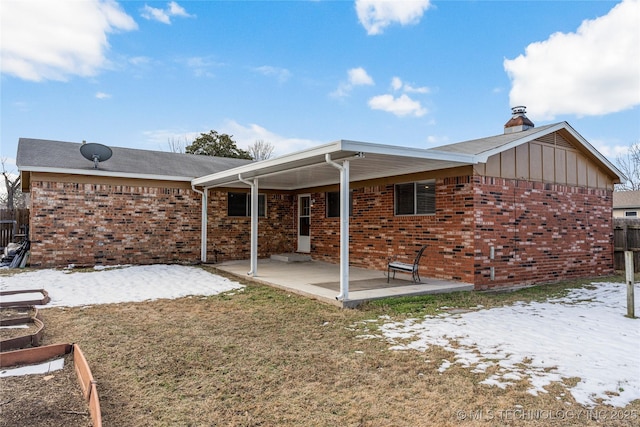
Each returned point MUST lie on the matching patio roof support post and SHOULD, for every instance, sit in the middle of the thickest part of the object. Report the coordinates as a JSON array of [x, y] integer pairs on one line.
[[344, 226], [204, 219], [254, 223]]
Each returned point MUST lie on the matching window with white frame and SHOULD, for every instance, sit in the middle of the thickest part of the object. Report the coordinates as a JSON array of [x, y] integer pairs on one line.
[[415, 198], [631, 214], [239, 204]]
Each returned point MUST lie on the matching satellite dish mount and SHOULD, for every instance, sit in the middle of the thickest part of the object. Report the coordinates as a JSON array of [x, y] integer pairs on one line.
[[96, 153]]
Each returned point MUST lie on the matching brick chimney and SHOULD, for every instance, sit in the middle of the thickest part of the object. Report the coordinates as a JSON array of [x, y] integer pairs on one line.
[[518, 121]]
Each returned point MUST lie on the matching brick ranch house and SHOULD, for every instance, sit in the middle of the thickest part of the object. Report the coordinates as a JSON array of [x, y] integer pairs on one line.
[[531, 205]]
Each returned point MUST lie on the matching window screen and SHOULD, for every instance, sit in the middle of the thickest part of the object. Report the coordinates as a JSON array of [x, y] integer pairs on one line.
[[415, 198]]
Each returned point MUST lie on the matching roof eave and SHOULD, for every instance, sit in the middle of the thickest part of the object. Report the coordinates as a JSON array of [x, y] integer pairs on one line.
[[314, 156], [103, 173]]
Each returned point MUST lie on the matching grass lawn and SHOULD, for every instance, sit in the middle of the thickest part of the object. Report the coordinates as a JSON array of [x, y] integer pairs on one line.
[[264, 357]]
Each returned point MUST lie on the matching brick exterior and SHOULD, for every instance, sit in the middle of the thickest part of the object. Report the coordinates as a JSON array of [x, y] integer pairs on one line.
[[228, 238], [90, 224], [540, 232], [377, 235]]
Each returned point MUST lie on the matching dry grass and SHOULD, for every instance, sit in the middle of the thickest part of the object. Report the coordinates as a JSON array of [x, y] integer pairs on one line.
[[263, 357], [43, 400]]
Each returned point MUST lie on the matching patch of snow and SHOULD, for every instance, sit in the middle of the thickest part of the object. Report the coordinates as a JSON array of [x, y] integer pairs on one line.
[[583, 335], [21, 326], [27, 296], [67, 288], [444, 366], [41, 368]]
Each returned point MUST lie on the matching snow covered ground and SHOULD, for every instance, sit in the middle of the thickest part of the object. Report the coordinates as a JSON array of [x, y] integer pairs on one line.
[[584, 334], [114, 285]]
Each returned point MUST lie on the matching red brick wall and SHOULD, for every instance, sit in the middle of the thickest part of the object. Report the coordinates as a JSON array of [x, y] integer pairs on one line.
[[541, 232], [89, 224], [378, 235], [228, 238]]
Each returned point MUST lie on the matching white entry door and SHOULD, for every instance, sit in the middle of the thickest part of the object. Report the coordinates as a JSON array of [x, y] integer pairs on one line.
[[304, 223]]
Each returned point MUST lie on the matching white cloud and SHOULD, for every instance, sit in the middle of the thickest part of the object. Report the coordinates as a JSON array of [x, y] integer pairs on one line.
[[102, 95], [610, 150], [282, 74], [375, 15], [401, 106], [164, 15], [21, 106], [201, 65], [176, 10], [53, 40], [247, 135], [593, 71], [161, 139], [155, 14], [244, 136], [359, 77], [435, 140], [398, 84], [355, 77], [139, 60]]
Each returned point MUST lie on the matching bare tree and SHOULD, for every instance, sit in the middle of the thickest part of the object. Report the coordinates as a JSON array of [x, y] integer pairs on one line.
[[14, 197], [177, 146], [261, 150], [629, 164]]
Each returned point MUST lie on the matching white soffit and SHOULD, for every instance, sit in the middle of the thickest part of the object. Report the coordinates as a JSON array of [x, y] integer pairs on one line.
[[308, 168]]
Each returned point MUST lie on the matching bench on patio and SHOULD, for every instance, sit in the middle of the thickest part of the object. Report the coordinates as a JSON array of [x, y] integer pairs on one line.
[[406, 267]]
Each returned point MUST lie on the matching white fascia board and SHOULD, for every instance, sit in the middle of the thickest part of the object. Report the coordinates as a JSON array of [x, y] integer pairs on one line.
[[98, 172]]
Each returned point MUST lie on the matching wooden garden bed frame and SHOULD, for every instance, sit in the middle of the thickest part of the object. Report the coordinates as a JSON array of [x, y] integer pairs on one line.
[[83, 372]]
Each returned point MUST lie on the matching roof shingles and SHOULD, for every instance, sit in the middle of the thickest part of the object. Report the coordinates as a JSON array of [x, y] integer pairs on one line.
[[39, 154]]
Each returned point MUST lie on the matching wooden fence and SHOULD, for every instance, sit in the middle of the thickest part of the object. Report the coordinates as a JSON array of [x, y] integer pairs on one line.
[[13, 223], [626, 237]]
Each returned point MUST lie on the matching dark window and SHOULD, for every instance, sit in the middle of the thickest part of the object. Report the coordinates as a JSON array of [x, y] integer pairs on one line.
[[632, 213], [239, 204], [416, 198], [333, 204]]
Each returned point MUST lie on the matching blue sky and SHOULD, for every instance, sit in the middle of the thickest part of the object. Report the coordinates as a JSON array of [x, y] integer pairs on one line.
[[302, 73]]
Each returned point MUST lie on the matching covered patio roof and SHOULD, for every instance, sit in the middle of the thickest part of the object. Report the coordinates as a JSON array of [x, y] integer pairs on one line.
[[340, 162], [309, 168]]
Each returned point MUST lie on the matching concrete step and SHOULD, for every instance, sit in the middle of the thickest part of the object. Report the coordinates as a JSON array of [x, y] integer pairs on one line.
[[291, 257]]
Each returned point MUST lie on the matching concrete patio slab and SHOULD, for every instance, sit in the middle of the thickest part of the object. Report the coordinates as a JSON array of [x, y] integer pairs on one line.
[[321, 281]]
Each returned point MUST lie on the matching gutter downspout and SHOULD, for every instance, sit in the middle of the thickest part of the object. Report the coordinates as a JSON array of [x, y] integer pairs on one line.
[[204, 219], [344, 226], [254, 223]]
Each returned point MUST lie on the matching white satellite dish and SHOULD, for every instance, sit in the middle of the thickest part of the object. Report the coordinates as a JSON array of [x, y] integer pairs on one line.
[[96, 153]]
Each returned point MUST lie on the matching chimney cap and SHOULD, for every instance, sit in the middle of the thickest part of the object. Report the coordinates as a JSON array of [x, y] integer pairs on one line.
[[520, 109], [519, 121]]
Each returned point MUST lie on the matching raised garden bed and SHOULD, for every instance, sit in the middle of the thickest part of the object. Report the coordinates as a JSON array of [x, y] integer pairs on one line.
[[20, 327], [24, 297], [50, 398]]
